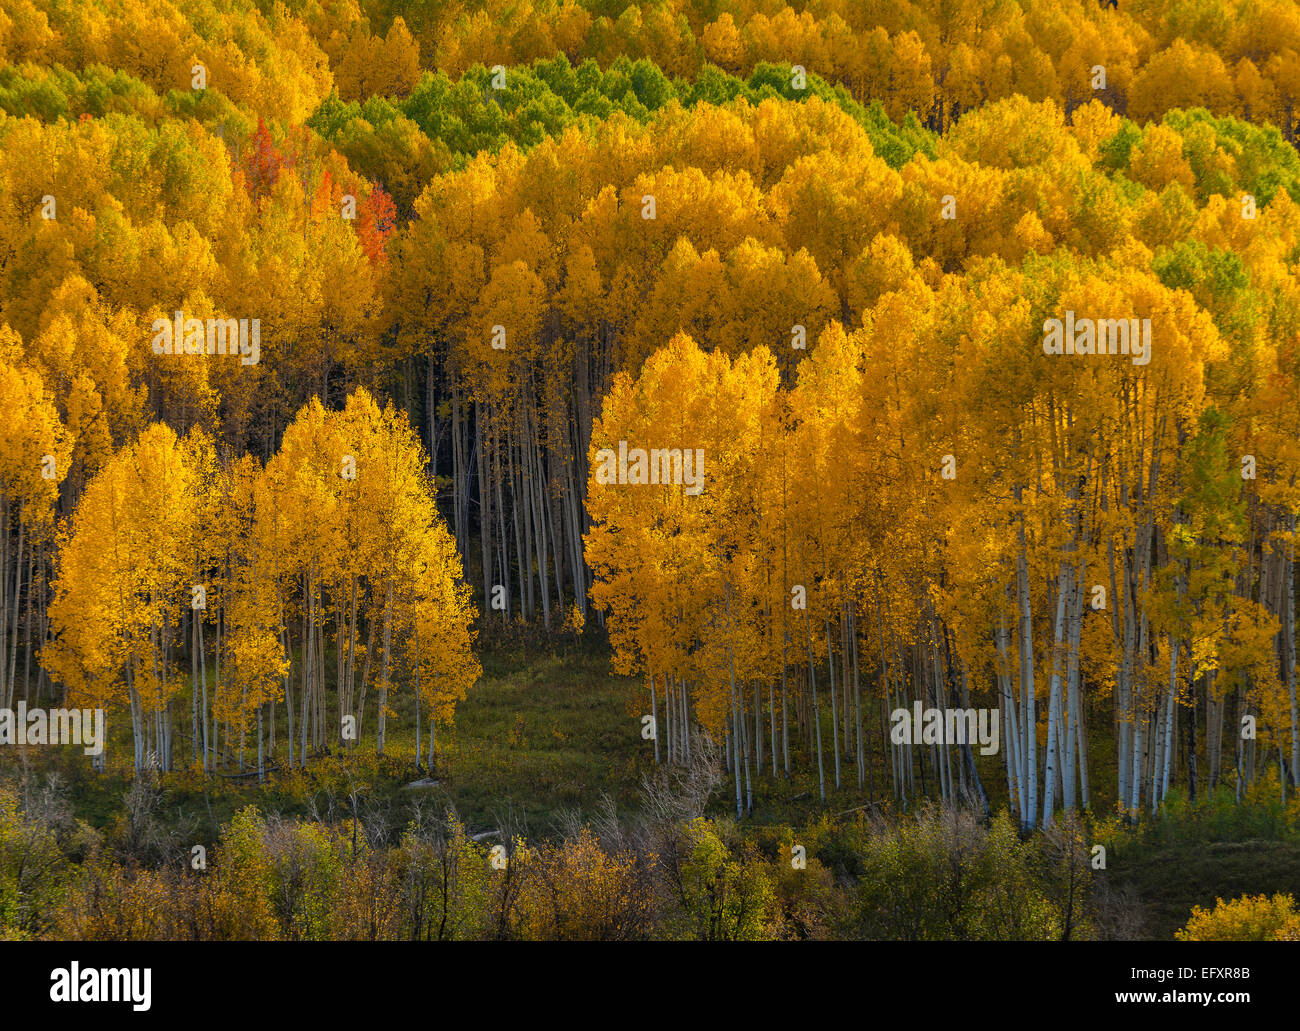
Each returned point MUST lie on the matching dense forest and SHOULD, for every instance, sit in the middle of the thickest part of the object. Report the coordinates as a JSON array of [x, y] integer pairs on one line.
[[812, 367]]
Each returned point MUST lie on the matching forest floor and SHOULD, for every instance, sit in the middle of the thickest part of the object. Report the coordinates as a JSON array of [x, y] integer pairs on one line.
[[546, 739]]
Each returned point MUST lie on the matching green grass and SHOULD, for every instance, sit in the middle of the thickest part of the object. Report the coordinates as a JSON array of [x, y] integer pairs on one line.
[[1169, 881], [537, 736]]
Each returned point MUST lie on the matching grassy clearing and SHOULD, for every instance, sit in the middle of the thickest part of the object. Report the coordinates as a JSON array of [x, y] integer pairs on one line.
[[539, 735], [1169, 881]]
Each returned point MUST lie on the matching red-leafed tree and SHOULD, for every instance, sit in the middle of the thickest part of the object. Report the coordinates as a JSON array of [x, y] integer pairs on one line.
[[377, 219], [263, 164]]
